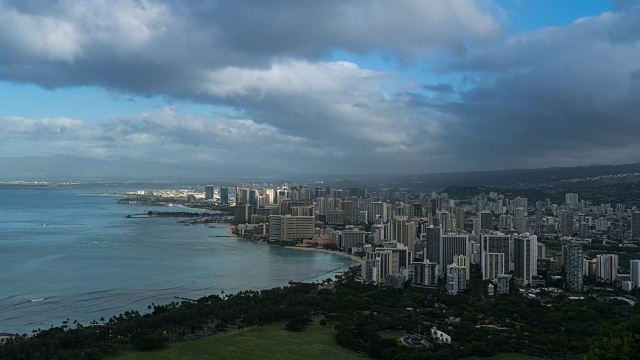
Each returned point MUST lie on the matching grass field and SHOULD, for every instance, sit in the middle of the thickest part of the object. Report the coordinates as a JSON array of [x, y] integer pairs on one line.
[[511, 356], [392, 334], [271, 342]]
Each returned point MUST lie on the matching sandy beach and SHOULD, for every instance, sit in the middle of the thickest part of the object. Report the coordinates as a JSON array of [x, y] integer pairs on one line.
[[308, 248]]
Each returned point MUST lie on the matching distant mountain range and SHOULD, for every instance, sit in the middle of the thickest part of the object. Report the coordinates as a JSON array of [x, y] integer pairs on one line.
[[63, 167], [523, 177]]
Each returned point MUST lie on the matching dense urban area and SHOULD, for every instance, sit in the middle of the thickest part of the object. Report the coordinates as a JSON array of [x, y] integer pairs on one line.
[[463, 271]]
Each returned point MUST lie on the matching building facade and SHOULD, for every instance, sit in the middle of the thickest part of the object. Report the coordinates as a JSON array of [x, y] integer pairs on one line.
[[524, 257], [574, 267], [291, 228], [607, 268]]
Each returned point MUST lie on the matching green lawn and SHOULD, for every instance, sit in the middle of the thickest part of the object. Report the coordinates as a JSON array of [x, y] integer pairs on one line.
[[392, 334], [271, 342], [511, 356]]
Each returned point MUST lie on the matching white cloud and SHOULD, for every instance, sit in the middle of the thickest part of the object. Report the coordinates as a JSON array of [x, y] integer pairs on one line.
[[560, 90], [13, 126]]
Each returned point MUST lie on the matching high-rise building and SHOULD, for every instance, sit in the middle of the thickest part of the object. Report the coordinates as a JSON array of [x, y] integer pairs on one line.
[[283, 194], [238, 195], [253, 197], [496, 243], [505, 222], [541, 252], [621, 227], [246, 196], [566, 223], [521, 202], [403, 256], [336, 217], [575, 268], [209, 191], [242, 213], [635, 225], [476, 226], [433, 244], [416, 211], [368, 269], [270, 194], [224, 196], [463, 260], [519, 215], [351, 209], [377, 208], [502, 284], [379, 264], [486, 220], [459, 214], [352, 237], [607, 268], [444, 220], [403, 232], [302, 210], [493, 265], [571, 199], [524, 257], [635, 273], [474, 255], [456, 279], [602, 224], [453, 245], [291, 228], [425, 273]]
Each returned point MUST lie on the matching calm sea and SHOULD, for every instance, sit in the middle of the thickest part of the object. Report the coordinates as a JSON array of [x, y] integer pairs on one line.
[[67, 252]]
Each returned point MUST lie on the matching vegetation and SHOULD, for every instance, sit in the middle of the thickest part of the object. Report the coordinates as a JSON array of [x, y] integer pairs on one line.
[[502, 356], [361, 318], [392, 334], [625, 253], [266, 342], [189, 214], [465, 192], [617, 342], [213, 207]]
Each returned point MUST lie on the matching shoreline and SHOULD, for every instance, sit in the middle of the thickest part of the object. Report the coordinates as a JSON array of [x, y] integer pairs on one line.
[[309, 248], [230, 231], [305, 248]]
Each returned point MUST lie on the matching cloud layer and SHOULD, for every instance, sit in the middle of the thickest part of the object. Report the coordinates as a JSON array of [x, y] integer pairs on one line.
[[556, 96]]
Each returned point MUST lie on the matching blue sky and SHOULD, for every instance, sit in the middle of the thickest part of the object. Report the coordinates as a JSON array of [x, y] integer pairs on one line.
[[417, 86]]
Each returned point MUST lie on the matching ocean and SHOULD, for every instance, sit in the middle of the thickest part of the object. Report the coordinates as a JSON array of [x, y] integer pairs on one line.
[[69, 252]]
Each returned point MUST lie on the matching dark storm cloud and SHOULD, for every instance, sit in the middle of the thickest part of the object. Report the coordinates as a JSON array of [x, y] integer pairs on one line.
[[310, 28], [558, 96], [444, 88]]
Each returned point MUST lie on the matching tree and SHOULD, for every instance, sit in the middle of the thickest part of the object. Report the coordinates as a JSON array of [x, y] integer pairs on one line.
[[621, 342], [148, 341]]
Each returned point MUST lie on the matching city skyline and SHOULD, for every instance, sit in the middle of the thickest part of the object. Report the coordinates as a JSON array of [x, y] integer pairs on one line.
[[341, 87]]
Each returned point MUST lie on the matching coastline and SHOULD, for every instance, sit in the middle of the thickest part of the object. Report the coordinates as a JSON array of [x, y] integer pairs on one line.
[[308, 248], [230, 231]]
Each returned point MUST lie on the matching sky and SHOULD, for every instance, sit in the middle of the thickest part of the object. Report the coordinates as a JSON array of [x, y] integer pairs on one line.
[[331, 86]]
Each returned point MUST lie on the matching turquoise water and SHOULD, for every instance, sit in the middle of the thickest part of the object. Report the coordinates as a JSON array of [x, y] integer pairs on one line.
[[66, 252]]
